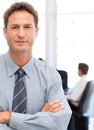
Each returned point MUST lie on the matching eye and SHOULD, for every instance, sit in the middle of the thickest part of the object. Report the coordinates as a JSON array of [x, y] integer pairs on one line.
[[27, 26], [14, 27]]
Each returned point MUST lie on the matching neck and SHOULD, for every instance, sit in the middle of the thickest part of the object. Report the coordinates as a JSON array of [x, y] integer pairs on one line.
[[20, 59]]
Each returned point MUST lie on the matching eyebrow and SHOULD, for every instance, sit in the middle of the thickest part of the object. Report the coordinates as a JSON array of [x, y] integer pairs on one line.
[[19, 24]]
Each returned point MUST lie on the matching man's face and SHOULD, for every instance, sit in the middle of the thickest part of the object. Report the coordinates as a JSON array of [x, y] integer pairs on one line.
[[80, 72], [20, 32]]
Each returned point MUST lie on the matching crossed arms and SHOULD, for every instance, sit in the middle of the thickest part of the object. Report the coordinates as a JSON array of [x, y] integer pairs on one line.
[[52, 107]]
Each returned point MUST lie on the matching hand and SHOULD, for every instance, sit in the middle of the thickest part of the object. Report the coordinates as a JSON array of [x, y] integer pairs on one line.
[[53, 106], [5, 117]]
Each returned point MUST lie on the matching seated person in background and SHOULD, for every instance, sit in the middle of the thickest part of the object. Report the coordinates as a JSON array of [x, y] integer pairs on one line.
[[75, 95], [64, 77]]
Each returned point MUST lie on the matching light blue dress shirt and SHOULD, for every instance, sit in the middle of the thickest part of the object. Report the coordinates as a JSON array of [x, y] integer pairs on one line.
[[43, 85]]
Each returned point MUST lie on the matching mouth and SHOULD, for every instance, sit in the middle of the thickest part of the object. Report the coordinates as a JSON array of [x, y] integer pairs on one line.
[[21, 41]]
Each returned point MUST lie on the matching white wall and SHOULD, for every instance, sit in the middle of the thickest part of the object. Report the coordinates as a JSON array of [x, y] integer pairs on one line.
[[75, 36]]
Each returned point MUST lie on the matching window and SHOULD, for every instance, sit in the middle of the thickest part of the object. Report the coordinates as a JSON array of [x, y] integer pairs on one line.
[[75, 36]]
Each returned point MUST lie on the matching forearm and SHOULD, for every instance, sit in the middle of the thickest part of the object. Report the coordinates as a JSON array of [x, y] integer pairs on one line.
[[47, 120], [40, 121], [52, 117]]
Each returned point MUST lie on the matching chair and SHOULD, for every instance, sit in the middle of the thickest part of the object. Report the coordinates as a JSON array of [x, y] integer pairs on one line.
[[80, 118], [64, 77]]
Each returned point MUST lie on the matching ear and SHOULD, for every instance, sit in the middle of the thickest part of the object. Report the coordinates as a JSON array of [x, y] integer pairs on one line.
[[36, 30], [5, 31]]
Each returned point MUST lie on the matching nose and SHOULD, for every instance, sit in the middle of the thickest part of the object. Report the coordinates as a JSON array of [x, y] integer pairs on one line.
[[21, 32]]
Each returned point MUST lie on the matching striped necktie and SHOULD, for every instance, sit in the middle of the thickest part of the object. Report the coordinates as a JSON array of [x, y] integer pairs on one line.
[[20, 96]]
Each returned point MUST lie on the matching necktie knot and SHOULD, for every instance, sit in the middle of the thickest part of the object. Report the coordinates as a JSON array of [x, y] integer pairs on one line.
[[20, 73]]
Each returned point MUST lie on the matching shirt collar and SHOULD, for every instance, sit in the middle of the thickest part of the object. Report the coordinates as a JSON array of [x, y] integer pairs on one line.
[[12, 67], [28, 67]]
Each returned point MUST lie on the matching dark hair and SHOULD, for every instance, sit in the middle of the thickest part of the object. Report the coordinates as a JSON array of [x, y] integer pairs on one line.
[[40, 59], [83, 67], [20, 6]]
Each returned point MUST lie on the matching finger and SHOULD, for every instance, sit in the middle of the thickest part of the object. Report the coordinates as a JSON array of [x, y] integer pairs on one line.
[[57, 105], [54, 106], [54, 102], [57, 109], [45, 108]]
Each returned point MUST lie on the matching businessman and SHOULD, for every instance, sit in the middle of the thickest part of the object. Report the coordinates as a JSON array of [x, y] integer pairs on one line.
[[31, 95]]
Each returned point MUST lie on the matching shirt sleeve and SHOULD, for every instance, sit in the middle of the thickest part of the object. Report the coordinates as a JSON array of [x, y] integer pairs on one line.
[[5, 127], [76, 94], [45, 120]]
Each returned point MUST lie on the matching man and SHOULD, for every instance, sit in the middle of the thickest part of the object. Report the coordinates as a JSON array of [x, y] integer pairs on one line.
[[45, 106], [75, 95]]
